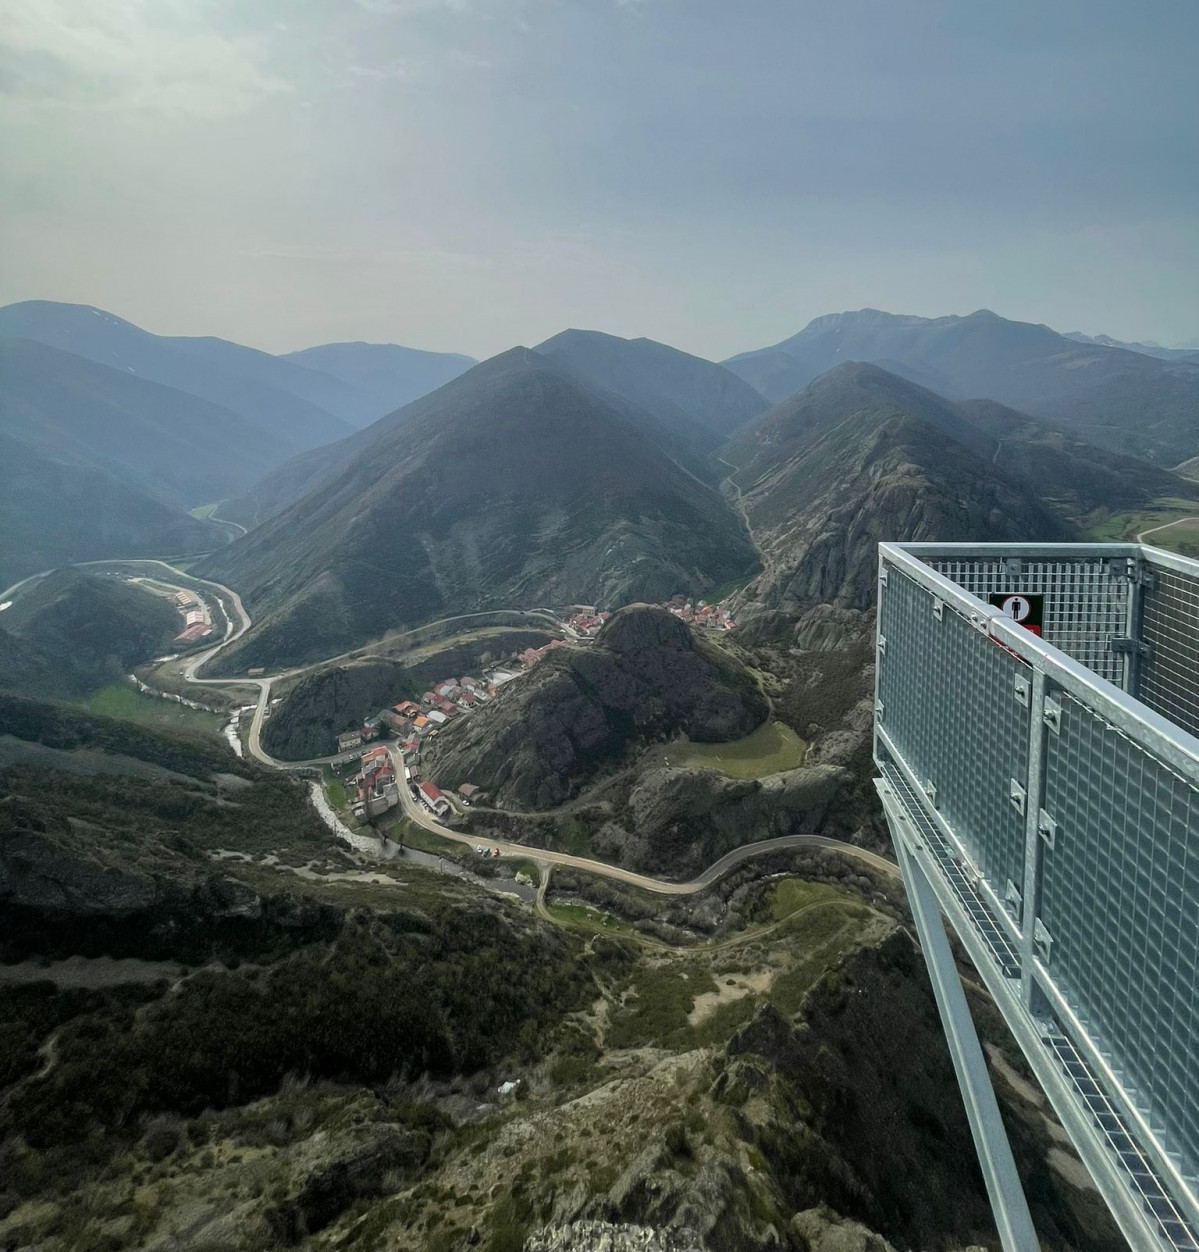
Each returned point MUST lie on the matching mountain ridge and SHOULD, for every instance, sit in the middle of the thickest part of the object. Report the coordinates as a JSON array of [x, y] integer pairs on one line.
[[1100, 392], [683, 390], [861, 456], [230, 375], [513, 485]]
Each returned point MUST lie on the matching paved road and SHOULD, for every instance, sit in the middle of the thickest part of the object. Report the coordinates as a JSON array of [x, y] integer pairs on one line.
[[414, 810], [659, 886]]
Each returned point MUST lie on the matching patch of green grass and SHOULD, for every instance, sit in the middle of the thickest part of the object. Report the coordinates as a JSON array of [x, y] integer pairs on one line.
[[203, 510], [727, 589], [583, 918], [336, 791], [657, 1015], [1120, 527], [129, 705], [772, 748], [574, 837], [793, 894], [415, 836]]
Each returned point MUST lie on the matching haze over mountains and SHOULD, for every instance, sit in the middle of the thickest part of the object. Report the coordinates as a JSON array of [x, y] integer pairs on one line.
[[133, 429], [1180, 352], [111, 434], [682, 390], [1121, 399], [514, 486]]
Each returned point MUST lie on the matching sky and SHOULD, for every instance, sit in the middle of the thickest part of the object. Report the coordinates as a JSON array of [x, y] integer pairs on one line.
[[464, 175]]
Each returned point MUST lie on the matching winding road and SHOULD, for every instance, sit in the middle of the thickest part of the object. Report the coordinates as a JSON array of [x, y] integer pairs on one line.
[[421, 816]]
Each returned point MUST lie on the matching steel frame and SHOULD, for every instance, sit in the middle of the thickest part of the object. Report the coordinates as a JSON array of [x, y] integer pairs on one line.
[[918, 831]]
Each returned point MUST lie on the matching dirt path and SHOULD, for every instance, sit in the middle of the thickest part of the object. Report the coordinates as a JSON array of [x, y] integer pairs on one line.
[[1178, 521]]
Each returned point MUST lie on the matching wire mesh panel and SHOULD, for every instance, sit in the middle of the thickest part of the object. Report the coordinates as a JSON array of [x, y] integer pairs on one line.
[[1120, 901], [1169, 673], [1083, 823], [956, 718], [1086, 601]]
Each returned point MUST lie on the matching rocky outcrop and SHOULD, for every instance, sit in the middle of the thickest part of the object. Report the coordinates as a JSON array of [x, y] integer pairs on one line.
[[597, 1236], [827, 627], [867, 1072], [825, 1231], [688, 818], [334, 1185], [645, 677]]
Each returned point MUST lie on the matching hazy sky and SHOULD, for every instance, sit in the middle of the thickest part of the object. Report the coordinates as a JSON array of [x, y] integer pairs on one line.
[[468, 174]]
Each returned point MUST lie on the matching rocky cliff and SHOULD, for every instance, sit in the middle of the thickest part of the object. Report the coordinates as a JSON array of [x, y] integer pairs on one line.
[[645, 677], [686, 819]]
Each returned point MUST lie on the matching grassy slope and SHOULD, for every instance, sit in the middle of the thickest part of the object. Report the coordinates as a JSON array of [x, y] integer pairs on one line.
[[772, 748], [78, 633]]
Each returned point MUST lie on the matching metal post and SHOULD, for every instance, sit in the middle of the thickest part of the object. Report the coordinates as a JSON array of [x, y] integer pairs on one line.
[[1012, 1218], [1032, 834]]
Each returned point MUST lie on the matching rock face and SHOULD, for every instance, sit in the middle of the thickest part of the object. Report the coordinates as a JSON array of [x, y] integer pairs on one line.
[[645, 677], [861, 456], [689, 818], [598, 1236]]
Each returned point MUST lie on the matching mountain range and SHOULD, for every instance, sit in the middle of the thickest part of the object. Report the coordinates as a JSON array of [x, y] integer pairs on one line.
[[685, 405], [862, 455], [111, 434], [515, 485], [1181, 352], [586, 469], [1121, 399]]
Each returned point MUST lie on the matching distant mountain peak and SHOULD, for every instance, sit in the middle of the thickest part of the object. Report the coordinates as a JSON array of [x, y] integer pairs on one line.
[[859, 318], [1130, 398]]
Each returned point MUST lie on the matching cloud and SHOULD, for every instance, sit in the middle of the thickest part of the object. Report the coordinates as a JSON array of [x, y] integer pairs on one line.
[[154, 55]]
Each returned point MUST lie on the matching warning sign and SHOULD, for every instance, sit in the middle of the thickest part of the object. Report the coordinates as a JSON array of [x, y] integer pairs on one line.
[[1025, 607]]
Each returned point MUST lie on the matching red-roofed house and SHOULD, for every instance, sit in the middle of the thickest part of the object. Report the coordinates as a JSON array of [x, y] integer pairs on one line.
[[433, 799]]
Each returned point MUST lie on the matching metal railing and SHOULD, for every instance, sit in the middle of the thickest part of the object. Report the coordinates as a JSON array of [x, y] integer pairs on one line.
[[1047, 787]]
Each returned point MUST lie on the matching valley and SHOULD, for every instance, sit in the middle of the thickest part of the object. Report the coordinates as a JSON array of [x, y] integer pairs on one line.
[[544, 896], [599, 620]]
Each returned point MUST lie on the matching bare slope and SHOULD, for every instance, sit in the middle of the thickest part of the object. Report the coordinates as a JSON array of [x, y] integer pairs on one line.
[[862, 456], [513, 486], [1121, 399]]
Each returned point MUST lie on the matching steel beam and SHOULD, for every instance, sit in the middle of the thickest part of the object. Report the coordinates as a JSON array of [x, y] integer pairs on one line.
[[1012, 1218]]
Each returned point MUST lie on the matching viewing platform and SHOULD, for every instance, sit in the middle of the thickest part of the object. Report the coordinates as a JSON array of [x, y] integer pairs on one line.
[[1036, 723]]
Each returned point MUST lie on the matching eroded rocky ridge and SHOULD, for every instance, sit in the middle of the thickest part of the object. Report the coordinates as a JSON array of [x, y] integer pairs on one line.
[[645, 677], [688, 818]]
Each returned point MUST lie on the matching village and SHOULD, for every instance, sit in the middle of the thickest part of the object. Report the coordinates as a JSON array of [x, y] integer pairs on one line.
[[375, 789]]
